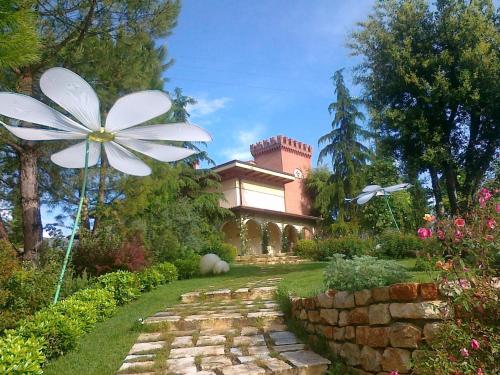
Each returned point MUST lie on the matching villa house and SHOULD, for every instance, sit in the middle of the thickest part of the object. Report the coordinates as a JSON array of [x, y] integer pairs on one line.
[[267, 195]]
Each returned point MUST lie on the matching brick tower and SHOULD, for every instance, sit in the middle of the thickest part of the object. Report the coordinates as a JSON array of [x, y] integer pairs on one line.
[[284, 154]]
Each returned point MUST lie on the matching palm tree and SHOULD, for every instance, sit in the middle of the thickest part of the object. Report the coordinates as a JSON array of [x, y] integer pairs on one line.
[[348, 155]]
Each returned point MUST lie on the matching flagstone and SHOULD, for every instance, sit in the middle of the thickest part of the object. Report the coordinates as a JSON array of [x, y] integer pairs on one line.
[[210, 340], [139, 357], [305, 358], [196, 351], [283, 338], [243, 369], [215, 362], [253, 358], [146, 337], [276, 365], [136, 365], [144, 347], [182, 342], [248, 340], [288, 348], [181, 365]]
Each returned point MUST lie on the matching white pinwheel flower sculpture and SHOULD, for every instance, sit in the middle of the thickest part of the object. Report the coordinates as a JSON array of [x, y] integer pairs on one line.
[[120, 134], [371, 191]]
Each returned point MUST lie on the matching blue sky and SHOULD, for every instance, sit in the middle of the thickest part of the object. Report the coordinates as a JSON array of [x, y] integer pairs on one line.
[[261, 68]]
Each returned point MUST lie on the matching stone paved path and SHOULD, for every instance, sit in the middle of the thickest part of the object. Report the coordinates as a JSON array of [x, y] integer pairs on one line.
[[222, 332]]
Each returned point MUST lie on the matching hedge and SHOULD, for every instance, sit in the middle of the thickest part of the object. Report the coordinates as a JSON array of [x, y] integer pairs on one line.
[[55, 330]]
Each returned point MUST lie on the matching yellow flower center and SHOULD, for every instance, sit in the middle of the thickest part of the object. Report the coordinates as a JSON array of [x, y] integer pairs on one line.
[[101, 136]]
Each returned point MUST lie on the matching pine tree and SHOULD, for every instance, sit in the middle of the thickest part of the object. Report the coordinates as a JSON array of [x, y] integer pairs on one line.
[[348, 155]]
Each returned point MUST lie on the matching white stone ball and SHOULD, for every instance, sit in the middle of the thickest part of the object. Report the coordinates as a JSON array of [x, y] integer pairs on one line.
[[221, 267], [207, 263]]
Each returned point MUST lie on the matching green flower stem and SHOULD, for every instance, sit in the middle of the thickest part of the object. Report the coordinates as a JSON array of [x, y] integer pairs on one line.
[[390, 210], [75, 225]]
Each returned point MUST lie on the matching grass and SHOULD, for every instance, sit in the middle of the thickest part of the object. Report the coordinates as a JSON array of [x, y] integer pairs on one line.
[[101, 352]]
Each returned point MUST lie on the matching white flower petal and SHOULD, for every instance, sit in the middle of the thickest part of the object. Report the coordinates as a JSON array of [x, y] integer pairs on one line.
[[398, 187], [363, 198], [74, 156], [74, 94], [165, 153], [370, 188], [33, 134], [25, 108], [179, 131], [136, 108], [123, 160]]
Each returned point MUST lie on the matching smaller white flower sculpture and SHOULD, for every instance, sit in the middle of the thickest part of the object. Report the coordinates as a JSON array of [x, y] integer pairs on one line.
[[120, 133]]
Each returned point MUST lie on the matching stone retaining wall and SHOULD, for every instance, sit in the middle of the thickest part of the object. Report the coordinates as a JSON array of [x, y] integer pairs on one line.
[[375, 331]]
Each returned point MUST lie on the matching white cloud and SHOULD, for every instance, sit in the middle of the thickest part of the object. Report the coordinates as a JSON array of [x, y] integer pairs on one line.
[[242, 140], [204, 107]]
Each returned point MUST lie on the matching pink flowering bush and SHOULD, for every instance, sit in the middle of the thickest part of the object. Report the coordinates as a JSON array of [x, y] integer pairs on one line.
[[469, 342]]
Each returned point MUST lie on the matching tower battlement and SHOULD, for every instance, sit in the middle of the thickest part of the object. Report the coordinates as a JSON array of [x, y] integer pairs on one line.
[[281, 142]]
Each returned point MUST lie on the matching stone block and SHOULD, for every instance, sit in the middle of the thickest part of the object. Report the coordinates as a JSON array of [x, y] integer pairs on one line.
[[429, 291], [379, 314], [404, 335], [350, 333], [343, 318], [181, 365], [310, 328], [214, 362], [309, 303], [276, 366], [430, 330], [283, 338], [335, 348], [305, 358], [248, 340], [327, 331], [324, 301], [146, 337], [329, 316], [249, 331], [258, 350], [350, 353], [182, 342], [313, 316], [343, 300], [339, 333], [403, 292], [288, 348], [375, 337], [303, 314], [211, 340], [243, 369], [370, 359], [137, 366], [359, 315], [196, 351], [421, 310], [363, 297], [395, 359], [380, 294], [147, 347]]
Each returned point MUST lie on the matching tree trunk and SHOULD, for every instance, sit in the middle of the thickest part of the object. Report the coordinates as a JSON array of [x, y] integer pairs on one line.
[[30, 200], [3, 232], [436, 189], [30, 204], [101, 194], [451, 187]]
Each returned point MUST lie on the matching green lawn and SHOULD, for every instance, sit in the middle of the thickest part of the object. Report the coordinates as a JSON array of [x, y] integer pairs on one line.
[[103, 350]]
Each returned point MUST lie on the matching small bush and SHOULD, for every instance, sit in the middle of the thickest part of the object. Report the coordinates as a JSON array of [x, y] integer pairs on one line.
[[102, 299], [83, 313], [188, 267], [362, 273], [20, 356], [58, 332], [225, 251], [168, 272], [349, 246], [124, 285], [307, 249], [149, 279], [396, 245], [283, 297]]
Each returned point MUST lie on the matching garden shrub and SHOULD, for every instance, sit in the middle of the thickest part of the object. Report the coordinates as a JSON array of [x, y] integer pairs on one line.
[[58, 332], [306, 249], [168, 272], [188, 267], [20, 356], [225, 251], [83, 313], [349, 246], [149, 279], [362, 273], [395, 245], [102, 299], [124, 285]]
